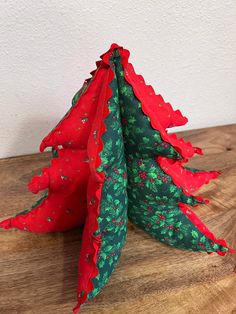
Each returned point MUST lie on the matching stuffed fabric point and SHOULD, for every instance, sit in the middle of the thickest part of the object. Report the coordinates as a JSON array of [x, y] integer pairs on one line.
[[113, 160]]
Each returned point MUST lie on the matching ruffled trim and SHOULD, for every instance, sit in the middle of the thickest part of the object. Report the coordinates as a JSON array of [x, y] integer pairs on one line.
[[152, 106], [189, 181], [85, 284]]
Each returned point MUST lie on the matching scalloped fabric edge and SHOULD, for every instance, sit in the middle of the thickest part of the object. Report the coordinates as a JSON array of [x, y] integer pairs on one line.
[[94, 196]]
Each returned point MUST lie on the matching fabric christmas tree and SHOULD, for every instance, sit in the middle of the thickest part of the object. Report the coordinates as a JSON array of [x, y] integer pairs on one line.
[[113, 159]]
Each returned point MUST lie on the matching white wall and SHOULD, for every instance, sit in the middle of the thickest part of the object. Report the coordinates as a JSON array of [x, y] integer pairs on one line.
[[185, 49]]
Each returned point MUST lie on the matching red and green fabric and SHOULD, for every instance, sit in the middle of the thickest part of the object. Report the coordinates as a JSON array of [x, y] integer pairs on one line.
[[113, 159]]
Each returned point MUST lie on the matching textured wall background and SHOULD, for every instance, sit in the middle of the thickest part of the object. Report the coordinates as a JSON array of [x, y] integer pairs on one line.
[[185, 49]]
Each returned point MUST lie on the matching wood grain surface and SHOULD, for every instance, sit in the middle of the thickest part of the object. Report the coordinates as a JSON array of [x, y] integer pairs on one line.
[[38, 273]]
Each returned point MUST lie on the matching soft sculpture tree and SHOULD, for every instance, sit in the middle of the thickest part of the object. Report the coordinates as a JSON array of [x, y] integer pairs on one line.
[[113, 159]]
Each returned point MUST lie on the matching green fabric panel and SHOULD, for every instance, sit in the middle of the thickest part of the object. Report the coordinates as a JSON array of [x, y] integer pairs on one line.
[[140, 138], [153, 197], [153, 207], [113, 208], [169, 225]]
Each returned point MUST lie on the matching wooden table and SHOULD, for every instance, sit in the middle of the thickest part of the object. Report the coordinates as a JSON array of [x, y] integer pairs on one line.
[[38, 273]]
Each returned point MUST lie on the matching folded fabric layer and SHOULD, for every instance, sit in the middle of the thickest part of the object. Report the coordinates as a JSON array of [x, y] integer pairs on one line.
[[114, 159]]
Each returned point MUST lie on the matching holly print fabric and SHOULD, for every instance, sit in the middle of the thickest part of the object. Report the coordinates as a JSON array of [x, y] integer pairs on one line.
[[113, 159], [112, 221], [161, 216]]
